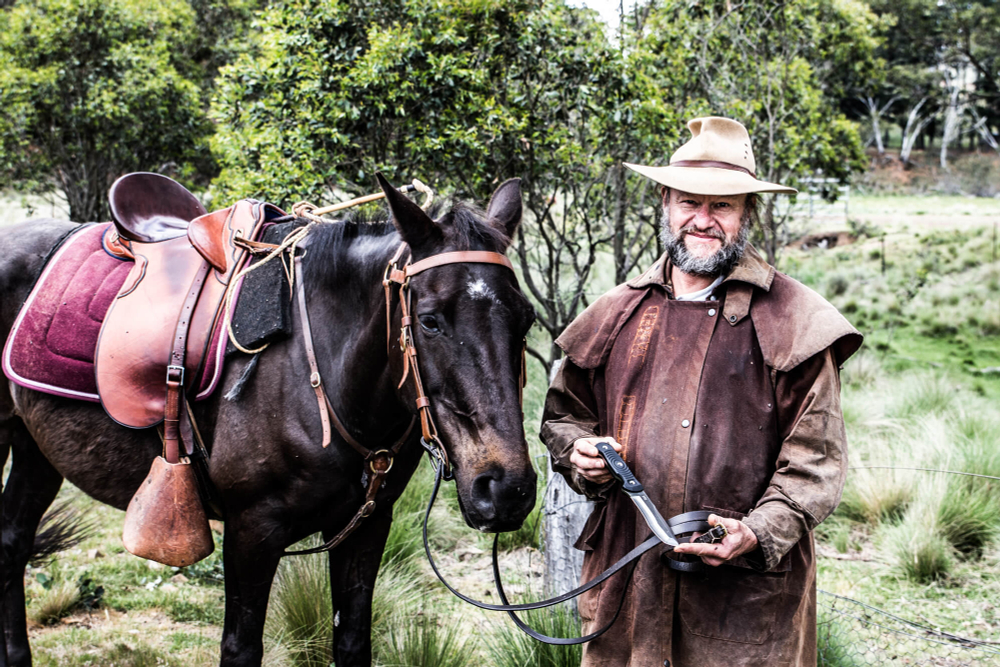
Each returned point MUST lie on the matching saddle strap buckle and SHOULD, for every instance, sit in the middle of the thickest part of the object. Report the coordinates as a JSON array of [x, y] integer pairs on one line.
[[175, 374]]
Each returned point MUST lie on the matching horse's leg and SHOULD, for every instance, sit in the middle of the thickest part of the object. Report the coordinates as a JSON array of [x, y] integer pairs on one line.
[[31, 487], [252, 549], [353, 568]]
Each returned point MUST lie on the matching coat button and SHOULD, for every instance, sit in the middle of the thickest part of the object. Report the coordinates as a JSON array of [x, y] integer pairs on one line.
[[711, 312], [732, 318], [666, 663], [685, 423]]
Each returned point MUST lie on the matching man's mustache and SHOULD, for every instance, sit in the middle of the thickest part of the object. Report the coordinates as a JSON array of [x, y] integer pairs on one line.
[[714, 233]]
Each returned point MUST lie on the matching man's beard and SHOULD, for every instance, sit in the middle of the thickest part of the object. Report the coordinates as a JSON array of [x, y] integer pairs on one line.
[[720, 263]]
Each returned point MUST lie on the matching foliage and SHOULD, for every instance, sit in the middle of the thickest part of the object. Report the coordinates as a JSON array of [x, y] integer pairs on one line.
[[781, 68], [92, 89]]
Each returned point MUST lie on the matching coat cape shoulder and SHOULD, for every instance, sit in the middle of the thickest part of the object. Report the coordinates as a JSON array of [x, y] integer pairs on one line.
[[793, 323]]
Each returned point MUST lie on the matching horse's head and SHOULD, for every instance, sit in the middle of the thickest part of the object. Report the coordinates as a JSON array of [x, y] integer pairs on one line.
[[469, 325]]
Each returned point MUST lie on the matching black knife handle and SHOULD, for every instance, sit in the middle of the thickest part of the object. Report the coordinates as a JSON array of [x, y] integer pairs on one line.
[[618, 468]]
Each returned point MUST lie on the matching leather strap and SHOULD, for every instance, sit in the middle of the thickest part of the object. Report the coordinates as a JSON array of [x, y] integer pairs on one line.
[[713, 164], [175, 371], [315, 380], [463, 257]]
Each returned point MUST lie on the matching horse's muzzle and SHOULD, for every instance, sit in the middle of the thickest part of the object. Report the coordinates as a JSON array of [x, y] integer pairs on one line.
[[499, 501]]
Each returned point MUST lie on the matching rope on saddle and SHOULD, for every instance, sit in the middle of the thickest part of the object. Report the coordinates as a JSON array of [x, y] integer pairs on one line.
[[290, 243]]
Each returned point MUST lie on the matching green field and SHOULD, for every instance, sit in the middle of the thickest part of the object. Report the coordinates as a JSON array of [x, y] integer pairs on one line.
[[922, 393]]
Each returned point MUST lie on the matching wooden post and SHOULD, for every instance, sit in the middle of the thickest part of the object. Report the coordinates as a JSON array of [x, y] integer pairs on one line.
[[565, 513]]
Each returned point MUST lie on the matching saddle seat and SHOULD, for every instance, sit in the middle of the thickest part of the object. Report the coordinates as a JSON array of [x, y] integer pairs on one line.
[[148, 207], [169, 310]]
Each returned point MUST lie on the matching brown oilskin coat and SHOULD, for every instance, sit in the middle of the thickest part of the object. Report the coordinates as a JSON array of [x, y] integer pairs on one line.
[[733, 406]]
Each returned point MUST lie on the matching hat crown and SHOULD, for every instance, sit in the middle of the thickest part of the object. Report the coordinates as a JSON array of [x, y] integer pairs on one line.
[[718, 140]]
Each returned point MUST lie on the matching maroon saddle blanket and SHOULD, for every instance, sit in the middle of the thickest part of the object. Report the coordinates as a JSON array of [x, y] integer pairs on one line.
[[52, 343]]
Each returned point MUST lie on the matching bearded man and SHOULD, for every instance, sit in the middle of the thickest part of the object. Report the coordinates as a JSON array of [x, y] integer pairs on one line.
[[717, 379]]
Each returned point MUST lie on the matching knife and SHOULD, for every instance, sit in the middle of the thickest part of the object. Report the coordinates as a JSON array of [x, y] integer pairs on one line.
[[631, 486]]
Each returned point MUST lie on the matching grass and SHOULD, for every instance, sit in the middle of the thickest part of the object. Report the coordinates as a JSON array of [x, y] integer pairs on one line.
[[509, 647], [425, 641]]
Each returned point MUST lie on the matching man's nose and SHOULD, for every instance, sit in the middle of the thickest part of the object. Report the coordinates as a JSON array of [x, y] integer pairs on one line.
[[703, 217]]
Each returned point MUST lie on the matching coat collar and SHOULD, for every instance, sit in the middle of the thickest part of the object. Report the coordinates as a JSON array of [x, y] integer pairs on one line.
[[751, 269]]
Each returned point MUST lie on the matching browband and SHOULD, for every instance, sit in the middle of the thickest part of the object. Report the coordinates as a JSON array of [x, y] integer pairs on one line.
[[463, 257]]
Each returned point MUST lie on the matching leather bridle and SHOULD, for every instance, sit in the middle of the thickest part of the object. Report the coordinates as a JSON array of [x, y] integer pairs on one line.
[[379, 462]]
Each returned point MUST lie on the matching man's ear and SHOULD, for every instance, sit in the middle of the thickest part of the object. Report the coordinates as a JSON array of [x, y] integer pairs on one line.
[[504, 209], [416, 227]]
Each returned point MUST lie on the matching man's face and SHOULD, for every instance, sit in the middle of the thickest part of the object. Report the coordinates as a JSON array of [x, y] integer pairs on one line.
[[704, 234]]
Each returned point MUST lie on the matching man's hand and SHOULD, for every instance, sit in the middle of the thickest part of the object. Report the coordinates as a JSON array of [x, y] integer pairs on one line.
[[589, 461], [739, 541]]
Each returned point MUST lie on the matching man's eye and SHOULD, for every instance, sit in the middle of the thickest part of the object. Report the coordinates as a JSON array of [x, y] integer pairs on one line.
[[429, 324]]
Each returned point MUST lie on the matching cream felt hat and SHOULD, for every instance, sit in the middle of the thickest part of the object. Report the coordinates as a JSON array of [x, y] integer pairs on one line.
[[716, 160]]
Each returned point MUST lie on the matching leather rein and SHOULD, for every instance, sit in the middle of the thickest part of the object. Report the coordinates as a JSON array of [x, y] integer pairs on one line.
[[379, 462]]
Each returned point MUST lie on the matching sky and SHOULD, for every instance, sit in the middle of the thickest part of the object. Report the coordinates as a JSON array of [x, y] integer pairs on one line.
[[608, 9]]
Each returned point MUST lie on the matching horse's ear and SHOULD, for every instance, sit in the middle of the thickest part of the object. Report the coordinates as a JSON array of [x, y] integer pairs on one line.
[[504, 210], [416, 227]]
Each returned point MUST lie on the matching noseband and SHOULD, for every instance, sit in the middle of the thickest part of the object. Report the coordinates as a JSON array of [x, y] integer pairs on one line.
[[379, 462]]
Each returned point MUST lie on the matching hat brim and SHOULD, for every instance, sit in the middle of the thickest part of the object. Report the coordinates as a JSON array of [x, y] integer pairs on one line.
[[708, 180]]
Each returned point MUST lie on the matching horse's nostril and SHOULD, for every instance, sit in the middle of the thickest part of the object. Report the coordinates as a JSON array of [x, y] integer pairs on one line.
[[484, 493]]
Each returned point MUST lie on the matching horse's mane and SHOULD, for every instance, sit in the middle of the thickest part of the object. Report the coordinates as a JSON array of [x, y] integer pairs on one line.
[[467, 229]]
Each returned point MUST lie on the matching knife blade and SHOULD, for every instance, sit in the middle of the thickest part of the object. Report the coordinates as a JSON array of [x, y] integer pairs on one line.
[[631, 486]]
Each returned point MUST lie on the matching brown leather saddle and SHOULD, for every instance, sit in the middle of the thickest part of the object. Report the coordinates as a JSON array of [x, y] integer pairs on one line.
[[156, 334]]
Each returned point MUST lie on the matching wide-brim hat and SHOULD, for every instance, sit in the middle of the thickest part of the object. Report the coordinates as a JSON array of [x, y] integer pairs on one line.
[[717, 160]]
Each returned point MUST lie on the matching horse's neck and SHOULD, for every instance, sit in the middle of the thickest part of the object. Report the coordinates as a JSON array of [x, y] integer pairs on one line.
[[364, 386]]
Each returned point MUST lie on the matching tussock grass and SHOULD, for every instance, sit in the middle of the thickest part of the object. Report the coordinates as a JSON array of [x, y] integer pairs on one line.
[[54, 604], [924, 520], [424, 641], [509, 647], [300, 616]]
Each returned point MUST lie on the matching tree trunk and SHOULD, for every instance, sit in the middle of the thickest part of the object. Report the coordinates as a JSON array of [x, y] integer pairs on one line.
[[770, 232]]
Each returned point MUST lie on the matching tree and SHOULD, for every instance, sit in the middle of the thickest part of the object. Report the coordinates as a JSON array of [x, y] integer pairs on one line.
[[782, 67], [92, 89]]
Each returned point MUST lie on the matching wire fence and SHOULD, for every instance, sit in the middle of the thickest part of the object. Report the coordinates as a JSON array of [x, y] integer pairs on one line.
[[854, 634]]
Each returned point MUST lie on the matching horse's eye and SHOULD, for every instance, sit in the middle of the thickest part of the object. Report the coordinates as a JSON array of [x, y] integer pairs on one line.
[[429, 324]]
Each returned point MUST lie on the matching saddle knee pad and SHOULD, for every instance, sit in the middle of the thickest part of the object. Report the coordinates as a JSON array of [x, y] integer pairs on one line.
[[263, 312]]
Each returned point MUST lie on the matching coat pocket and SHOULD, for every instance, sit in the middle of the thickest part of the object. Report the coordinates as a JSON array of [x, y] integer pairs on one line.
[[732, 602]]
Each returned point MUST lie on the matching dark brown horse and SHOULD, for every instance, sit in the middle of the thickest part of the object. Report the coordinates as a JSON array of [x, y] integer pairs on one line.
[[276, 483]]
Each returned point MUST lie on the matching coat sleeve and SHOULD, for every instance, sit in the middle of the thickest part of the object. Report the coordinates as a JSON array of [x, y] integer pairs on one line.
[[812, 463], [571, 413]]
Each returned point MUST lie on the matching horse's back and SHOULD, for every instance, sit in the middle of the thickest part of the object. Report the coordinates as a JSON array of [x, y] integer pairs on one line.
[[24, 247]]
